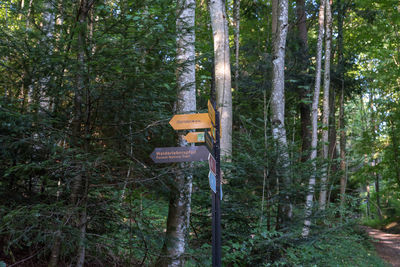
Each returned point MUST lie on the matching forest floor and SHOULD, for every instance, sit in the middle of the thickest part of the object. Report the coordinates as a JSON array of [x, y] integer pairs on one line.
[[386, 244]]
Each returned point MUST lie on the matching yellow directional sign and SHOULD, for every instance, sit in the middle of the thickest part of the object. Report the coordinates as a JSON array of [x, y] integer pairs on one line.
[[190, 121], [211, 112], [195, 137], [213, 132], [209, 142]]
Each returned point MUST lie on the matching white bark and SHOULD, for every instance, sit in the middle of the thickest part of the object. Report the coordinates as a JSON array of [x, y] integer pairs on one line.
[[326, 111], [278, 94], [222, 72], [314, 123], [180, 200]]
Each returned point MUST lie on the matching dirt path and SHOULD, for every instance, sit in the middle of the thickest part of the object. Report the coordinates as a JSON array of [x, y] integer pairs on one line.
[[387, 245]]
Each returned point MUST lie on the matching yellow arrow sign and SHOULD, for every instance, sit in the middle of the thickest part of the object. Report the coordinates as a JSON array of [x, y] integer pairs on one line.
[[195, 137], [213, 132], [190, 121], [211, 111]]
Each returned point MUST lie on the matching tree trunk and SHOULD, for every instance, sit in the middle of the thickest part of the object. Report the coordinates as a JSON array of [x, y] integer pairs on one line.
[[48, 28], [374, 130], [222, 72], [236, 7], [180, 196], [368, 204], [304, 106], [332, 149], [377, 189], [343, 176], [332, 133], [266, 183], [25, 76], [278, 101], [79, 139], [314, 123], [395, 145], [378, 197], [326, 111]]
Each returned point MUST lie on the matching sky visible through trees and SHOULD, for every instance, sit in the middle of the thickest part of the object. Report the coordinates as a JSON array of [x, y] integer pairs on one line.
[[309, 97]]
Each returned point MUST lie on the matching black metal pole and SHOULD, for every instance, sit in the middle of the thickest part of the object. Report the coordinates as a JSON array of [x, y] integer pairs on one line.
[[217, 196], [214, 255]]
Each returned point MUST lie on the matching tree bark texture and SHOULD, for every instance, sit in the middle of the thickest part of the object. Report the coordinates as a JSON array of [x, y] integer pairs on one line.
[[378, 195], [222, 72], [342, 142], [396, 153], [326, 111], [314, 123], [181, 190], [343, 177], [236, 7], [278, 99], [332, 154], [304, 106]]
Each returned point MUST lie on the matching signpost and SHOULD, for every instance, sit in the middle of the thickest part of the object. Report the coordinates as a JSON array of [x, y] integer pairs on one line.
[[179, 154], [200, 153], [217, 193], [190, 121]]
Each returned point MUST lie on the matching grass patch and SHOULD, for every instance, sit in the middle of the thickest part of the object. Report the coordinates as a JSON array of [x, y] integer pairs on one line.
[[388, 225], [344, 247]]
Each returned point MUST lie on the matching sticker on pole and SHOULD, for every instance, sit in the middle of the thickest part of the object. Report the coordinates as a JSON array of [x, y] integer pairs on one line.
[[212, 163], [213, 181]]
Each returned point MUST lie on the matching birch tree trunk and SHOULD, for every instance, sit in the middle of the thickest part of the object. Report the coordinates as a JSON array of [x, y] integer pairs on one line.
[[278, 98], [222, 72], [180, 196], [326, 111], [314, 122]]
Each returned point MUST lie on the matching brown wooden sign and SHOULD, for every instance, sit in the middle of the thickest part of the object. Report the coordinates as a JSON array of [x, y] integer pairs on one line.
[[179, 154], [190, 121]]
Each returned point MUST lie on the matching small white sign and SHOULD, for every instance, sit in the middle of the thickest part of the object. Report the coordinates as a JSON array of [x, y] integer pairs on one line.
[[213, 181]]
